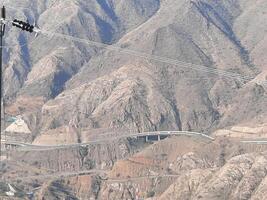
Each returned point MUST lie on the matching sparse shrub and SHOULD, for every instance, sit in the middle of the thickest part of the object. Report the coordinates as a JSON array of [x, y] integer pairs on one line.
[[19, 181], [20, 194], [150, 194], [169, 170], [83, 151], [54, 124], [89, 164]]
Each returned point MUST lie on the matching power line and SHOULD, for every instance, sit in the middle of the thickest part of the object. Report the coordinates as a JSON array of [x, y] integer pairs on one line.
[[153, 57], [2, 33], [21, 9], [144, 55]]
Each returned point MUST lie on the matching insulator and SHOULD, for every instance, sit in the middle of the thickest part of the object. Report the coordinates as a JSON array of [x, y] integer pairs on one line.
[[3, 12], [23, 25]]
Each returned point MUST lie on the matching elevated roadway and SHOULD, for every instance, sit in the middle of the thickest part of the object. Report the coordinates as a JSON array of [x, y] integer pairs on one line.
[[108, 137], [103, 138]]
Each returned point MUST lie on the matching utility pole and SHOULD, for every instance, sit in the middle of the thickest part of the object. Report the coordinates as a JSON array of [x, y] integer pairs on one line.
[[2, 32], [25, 26]]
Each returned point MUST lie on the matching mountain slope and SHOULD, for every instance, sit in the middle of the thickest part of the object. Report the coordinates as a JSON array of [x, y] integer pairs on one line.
[[199, 32]]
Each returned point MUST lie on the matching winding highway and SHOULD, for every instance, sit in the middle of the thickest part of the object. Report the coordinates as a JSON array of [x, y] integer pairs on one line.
[[254, 142], [104, 139], [108, 137], [57, 175]]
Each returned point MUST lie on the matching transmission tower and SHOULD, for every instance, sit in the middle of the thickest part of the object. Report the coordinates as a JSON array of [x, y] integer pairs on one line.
[[24, 26]]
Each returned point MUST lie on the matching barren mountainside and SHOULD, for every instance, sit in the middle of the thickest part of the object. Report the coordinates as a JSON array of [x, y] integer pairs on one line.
[[132, 92], [172, 68]]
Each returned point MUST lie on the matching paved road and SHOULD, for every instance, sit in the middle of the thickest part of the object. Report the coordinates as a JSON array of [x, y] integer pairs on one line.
[[104, 139], [107, 137], [254, 141], [142, 177], [56, 175]]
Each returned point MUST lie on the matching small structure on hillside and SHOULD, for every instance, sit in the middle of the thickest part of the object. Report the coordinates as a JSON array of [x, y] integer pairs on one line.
[[18, 126], [11, 191]]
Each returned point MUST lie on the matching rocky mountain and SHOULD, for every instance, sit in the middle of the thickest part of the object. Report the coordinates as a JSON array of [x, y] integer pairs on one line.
[[170, 65], [232, 171], [132, 92]]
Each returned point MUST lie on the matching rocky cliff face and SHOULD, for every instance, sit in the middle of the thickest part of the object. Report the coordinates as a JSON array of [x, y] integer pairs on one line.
[[41, 66], [175, 168], [68, 91], [110, 89]]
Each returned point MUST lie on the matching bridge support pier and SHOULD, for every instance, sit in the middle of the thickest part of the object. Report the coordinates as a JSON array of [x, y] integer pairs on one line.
[[158, 137]]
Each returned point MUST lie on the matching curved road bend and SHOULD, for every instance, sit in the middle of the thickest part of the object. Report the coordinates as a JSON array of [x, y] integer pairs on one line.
[[107, 137]]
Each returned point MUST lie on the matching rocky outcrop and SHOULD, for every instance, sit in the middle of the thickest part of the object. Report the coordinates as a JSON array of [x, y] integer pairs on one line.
[[68, 91]]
